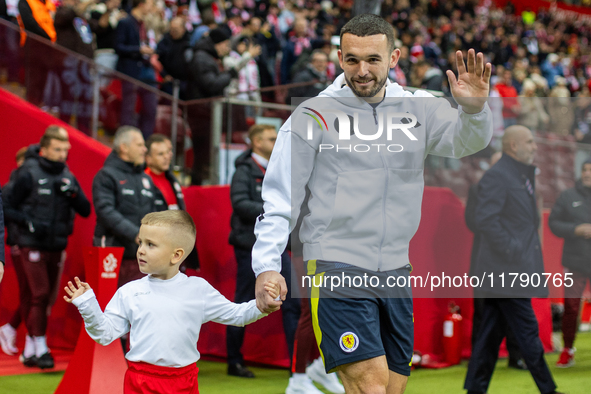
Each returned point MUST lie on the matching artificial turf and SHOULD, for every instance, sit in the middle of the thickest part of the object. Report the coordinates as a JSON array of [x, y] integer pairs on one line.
[[213, 378]]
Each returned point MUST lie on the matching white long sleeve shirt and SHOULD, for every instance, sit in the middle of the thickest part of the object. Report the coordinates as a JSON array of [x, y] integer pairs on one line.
[[163, 317]]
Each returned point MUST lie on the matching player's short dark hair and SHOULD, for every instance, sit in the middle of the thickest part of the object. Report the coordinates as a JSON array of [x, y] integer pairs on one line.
[[155, 139], [369, 25]]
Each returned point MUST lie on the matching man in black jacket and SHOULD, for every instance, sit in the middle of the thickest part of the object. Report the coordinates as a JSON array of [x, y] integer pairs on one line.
[[174, 52], [515, 360], [314, 71], [46, 196], [507, 219], [207, 80], [123, 194], [571, 219], [247, 203]]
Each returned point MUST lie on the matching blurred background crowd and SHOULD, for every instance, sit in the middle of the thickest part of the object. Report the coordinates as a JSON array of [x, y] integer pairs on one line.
[[273, 50]]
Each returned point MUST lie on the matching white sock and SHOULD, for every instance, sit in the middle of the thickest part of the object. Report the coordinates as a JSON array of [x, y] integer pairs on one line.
[[40, 346], [9, 329], [29, 347], [299, 376]]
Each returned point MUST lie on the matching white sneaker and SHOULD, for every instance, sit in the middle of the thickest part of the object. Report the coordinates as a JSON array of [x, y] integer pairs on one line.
[[330, 381], [8, 340], [301, 385]]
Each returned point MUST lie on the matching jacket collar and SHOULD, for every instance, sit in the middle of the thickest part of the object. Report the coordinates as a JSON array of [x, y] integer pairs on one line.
[[521, 168], [113, 160]]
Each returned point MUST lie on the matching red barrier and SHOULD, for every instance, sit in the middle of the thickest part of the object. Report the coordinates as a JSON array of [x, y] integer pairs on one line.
[[97, 369]]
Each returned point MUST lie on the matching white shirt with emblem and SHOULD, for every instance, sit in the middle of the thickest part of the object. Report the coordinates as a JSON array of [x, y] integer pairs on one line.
[[163, 317]]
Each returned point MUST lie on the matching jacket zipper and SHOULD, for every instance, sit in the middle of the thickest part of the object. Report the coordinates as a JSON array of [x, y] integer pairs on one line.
[[375, 117], [383, 212]]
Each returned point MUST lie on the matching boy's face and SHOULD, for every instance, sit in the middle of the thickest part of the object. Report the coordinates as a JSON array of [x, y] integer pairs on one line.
[[156, 254]]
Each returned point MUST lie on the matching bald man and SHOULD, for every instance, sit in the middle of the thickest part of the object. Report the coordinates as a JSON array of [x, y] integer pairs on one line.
[[515, 359], [507, 219]]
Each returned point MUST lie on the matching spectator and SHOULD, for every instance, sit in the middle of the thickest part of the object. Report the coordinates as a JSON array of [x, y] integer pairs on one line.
[[247, 205], [73, 33], [298, 43], [551, 68], [103, 22], [122, 194], [571, 219], [242, 59], [174, 53], [507, 219], [511, 107], [132, 47], [46, 195], [315, 72], [265, 37], [428, 77], [208, 24], [154, 22], [36, 16], [532, 114], [206, 81], [560, 108]]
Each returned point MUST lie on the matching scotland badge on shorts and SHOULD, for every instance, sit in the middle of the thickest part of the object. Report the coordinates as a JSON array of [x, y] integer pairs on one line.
[[349, 342]]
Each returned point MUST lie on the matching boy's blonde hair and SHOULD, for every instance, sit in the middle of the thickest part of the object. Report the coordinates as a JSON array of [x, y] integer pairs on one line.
[[182, 227]]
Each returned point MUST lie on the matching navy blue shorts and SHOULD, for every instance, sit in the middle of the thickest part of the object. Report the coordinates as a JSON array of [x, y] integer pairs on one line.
[[355, 329]]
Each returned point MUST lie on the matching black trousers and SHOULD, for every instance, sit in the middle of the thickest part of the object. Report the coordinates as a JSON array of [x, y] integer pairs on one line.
[[245, 291], [511, 342], [497, 315]]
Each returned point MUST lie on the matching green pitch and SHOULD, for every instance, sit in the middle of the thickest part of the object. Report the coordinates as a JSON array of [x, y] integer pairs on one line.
[[213, 378]]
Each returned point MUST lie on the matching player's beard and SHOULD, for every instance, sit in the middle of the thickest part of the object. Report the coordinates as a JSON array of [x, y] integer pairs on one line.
[[371, 93]]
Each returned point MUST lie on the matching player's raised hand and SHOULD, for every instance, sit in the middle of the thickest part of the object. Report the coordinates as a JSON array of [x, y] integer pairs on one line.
[[74, 291], [470, 89]]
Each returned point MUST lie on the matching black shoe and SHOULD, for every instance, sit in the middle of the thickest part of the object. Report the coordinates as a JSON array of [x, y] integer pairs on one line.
[[28, 361], [45, 361], [239, 370], [517, 364]]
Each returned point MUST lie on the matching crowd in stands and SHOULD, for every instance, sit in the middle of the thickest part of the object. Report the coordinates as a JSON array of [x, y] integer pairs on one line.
[[237, 47]]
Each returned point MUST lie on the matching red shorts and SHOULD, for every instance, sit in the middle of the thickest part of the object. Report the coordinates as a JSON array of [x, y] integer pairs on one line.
[[144, 378]]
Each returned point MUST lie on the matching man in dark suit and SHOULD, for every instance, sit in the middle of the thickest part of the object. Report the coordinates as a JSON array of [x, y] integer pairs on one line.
[[131, 45], [507, 219], [515, 359]]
